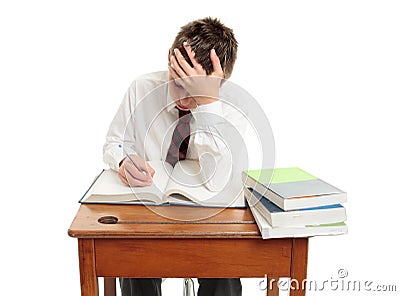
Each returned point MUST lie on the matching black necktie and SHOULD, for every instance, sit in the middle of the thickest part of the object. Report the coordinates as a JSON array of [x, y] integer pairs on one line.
[[180, 138]]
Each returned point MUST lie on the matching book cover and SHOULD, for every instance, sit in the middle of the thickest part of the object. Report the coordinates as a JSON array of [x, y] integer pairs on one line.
[[268, 231], [293, 188], [280, 218]]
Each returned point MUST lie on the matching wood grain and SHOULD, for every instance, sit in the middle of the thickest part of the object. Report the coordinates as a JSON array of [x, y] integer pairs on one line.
[[193, 257], [141, 221], [273, 288], [87, 263], [298, 269], [109, 287]]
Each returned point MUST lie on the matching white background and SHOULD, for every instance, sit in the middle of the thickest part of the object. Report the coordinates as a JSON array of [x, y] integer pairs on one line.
[[325, 72]]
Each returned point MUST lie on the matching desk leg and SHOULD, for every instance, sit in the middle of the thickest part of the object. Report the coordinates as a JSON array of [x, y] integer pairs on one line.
[[109, 287], [298, 269], [273, 288], [87, 267]]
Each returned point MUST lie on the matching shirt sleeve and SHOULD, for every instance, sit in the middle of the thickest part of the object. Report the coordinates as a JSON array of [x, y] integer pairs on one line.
[[214, 127], [120, 138]]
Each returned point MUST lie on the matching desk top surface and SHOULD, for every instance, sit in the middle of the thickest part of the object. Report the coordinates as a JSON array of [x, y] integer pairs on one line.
[[135, 221]]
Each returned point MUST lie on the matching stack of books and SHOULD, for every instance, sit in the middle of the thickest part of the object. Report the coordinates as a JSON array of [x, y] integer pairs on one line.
[[289, 202]]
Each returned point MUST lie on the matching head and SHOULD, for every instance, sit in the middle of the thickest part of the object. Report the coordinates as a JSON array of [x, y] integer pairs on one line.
[[204, 35]]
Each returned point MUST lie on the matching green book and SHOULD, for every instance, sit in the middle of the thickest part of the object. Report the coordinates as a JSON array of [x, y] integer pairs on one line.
[[293, 188], [280, 175]]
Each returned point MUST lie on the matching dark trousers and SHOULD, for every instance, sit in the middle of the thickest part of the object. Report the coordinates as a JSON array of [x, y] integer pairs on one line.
[[207, 287]]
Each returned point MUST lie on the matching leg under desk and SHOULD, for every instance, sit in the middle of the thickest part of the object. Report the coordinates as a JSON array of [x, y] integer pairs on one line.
[[110, 290]]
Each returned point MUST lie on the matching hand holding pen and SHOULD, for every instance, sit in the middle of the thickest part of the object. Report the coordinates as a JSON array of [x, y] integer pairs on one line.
[[134, 171]]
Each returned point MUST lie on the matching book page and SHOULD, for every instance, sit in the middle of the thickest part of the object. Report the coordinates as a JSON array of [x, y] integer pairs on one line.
[[109, 188], [163, 170], [187, 181]]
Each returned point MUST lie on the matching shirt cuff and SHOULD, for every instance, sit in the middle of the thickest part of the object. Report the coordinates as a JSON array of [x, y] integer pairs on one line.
[[113, 156]]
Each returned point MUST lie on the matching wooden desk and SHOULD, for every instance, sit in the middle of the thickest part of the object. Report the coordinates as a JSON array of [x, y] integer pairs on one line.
[[145, 244]]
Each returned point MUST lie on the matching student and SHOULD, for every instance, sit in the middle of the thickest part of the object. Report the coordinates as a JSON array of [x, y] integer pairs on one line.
[[189, 97]]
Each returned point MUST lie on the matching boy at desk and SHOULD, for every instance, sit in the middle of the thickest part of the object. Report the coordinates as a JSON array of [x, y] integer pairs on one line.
[[188, 104]]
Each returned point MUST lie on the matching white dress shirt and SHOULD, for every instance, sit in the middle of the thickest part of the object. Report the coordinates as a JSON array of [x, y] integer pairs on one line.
[[146, 119]]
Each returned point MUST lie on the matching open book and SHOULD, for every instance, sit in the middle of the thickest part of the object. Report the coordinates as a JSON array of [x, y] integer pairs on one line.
[[181, 184]]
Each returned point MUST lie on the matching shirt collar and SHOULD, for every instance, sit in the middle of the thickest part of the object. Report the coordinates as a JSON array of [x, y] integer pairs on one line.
[[170, 103]]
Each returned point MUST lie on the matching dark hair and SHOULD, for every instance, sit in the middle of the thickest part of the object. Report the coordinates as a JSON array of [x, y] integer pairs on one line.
[[204, 35]]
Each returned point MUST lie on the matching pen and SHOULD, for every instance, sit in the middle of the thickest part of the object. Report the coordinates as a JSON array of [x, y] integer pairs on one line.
[[127, 155]]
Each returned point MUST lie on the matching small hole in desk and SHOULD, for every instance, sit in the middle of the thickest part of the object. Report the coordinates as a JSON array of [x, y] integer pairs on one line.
[[108, 220]]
